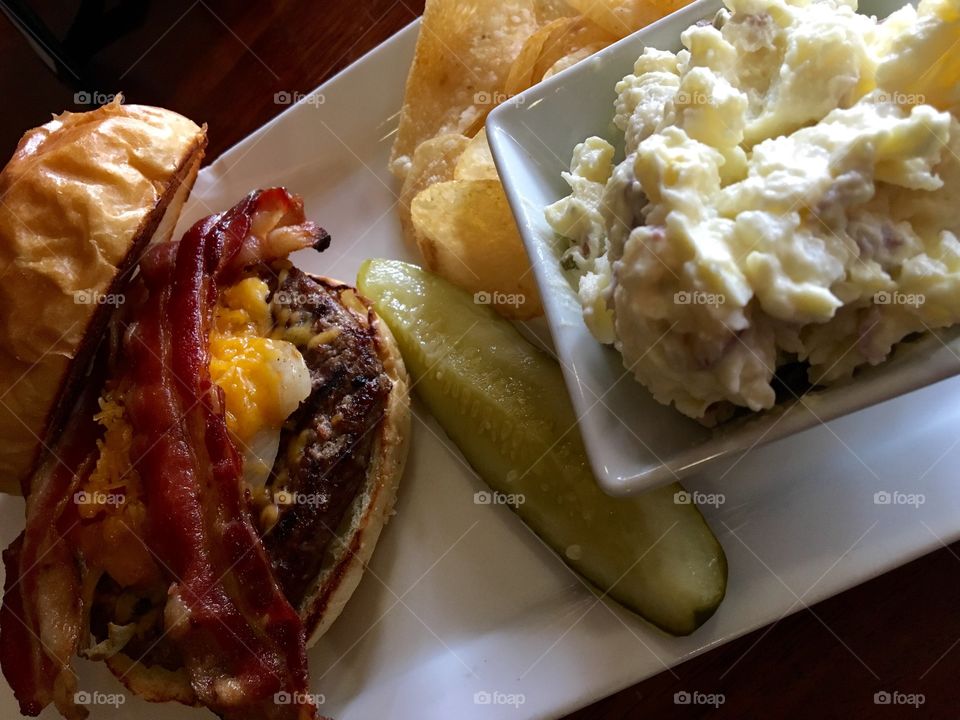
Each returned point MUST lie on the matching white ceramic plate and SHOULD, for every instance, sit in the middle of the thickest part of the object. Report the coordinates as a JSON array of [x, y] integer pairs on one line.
[[633, 441], [461, 599]]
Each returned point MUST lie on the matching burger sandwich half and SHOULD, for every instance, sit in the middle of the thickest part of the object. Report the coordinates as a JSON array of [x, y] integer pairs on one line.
[[208, 439]]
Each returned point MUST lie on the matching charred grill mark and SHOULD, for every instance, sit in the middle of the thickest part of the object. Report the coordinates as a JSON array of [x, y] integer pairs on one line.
[[335, 426]]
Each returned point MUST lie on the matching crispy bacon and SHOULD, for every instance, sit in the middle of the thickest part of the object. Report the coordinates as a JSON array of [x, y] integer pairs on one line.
[[42, 616], [242, 642]]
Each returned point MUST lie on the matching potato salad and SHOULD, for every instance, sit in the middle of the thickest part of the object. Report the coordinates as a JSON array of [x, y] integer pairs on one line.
[[790, 192]]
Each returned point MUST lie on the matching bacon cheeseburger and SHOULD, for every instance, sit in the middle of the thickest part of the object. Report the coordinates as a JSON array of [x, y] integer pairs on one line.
[[209, 440]]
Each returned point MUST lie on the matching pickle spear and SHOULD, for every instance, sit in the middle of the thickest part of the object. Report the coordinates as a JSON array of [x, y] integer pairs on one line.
[[504, 403]]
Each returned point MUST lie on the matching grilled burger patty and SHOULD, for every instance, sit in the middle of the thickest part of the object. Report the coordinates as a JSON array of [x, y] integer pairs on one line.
[[326, 445]]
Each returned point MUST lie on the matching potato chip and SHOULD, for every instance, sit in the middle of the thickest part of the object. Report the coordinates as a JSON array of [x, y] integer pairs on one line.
[[434, 161], [476, 162], [467, 235], [543, 49], [462, 58], [573, 58], [579, 34], [622, 17], [521, 76], [549, 10]]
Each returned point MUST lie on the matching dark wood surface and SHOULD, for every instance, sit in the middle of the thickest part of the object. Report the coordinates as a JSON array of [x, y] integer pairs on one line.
[[222, 63]]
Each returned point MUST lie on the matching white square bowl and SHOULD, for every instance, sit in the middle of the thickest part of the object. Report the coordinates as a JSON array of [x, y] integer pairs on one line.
[[634, 442]]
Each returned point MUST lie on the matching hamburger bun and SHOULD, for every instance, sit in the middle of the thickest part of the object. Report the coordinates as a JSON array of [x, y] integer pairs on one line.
[[81, 198]]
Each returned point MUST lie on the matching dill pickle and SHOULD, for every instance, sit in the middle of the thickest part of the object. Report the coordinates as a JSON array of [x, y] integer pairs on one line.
[[504, 403]]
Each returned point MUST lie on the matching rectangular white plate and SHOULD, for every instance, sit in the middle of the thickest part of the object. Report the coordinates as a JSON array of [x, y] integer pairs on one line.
[[633, 441], [461, 598]]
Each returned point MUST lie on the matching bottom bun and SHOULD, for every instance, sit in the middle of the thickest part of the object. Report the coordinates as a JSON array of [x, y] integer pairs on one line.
[[351, 549]]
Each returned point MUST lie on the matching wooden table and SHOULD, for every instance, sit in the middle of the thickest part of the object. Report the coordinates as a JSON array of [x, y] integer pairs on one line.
[[221, 64]]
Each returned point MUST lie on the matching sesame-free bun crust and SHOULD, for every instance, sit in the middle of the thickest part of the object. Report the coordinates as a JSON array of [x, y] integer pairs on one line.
[[351, 549], [79, 200]]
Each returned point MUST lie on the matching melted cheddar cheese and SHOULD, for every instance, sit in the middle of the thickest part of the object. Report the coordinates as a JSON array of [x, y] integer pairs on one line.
[[263, 378]]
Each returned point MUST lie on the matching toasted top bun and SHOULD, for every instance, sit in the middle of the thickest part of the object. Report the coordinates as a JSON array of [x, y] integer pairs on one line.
[[80, 199]]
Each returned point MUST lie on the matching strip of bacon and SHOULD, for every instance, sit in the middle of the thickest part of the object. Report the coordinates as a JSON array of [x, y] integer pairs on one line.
[[43, 615], [242, 642], [249, 641]]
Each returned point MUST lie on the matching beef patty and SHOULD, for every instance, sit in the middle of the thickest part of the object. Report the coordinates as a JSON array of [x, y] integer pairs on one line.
[[326, 445]]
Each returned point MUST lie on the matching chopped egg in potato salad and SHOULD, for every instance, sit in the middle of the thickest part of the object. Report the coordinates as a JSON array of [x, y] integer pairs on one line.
[[790, 192]]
